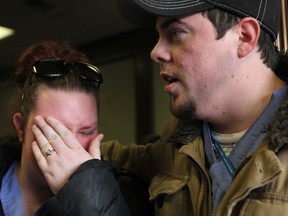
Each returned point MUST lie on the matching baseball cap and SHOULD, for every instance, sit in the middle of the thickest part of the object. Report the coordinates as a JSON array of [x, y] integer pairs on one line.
[[144, 12]]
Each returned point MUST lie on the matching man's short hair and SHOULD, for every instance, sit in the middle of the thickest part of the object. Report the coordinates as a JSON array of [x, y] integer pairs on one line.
[[223, 21]]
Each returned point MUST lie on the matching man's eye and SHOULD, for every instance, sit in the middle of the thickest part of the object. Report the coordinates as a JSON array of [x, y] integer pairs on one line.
[[174, 33]]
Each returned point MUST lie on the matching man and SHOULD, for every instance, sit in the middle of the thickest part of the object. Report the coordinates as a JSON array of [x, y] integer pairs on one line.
[[227, 152]]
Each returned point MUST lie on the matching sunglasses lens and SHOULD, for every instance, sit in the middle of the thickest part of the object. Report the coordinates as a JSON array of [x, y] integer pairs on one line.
[[89, 72], [49, 68]]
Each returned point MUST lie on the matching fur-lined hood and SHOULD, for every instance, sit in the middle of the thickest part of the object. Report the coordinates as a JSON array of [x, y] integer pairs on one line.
[[278, 130]]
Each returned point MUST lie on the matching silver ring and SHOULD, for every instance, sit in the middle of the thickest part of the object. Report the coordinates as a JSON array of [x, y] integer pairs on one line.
[[49, 152]]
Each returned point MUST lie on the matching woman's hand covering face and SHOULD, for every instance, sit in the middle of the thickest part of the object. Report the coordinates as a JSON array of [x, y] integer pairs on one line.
[[58, 152]]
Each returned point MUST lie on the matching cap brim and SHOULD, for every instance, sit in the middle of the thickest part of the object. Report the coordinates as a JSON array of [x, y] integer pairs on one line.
[[137, 13]]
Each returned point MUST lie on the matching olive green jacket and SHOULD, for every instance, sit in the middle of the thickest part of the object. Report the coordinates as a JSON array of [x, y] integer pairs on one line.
[[180, 185]]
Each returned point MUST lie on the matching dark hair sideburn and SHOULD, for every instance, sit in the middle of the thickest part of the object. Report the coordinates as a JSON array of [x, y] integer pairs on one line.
[[223, 21]]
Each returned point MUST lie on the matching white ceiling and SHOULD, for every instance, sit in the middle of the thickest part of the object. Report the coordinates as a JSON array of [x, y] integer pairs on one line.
[[78, 21]]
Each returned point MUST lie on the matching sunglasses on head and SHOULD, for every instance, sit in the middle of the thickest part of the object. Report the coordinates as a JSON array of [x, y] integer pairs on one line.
[[53, 68]]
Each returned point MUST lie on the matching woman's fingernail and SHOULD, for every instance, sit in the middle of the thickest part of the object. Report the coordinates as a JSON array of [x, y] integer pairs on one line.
[[101, 136], [34, 127]]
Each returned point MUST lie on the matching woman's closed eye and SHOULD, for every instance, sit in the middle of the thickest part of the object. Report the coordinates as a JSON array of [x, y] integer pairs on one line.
[[88, 132]]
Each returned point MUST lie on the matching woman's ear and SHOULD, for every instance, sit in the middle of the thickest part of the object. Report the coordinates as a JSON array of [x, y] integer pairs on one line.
[[18, 123], [249, 32]]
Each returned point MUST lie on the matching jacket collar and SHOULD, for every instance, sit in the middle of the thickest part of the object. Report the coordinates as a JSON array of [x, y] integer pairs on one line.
[[185, 132]]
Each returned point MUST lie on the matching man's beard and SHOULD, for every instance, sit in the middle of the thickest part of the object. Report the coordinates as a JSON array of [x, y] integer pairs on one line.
[[183, 111]]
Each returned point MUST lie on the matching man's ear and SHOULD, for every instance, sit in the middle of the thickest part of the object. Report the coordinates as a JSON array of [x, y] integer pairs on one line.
[[249, 32], [18, 124]]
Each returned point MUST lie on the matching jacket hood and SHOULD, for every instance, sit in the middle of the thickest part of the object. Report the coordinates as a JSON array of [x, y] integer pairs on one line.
[[278, 129]]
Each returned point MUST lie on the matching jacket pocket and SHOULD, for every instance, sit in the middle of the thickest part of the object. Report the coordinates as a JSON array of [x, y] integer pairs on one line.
[[170, 194], [264, 207]]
